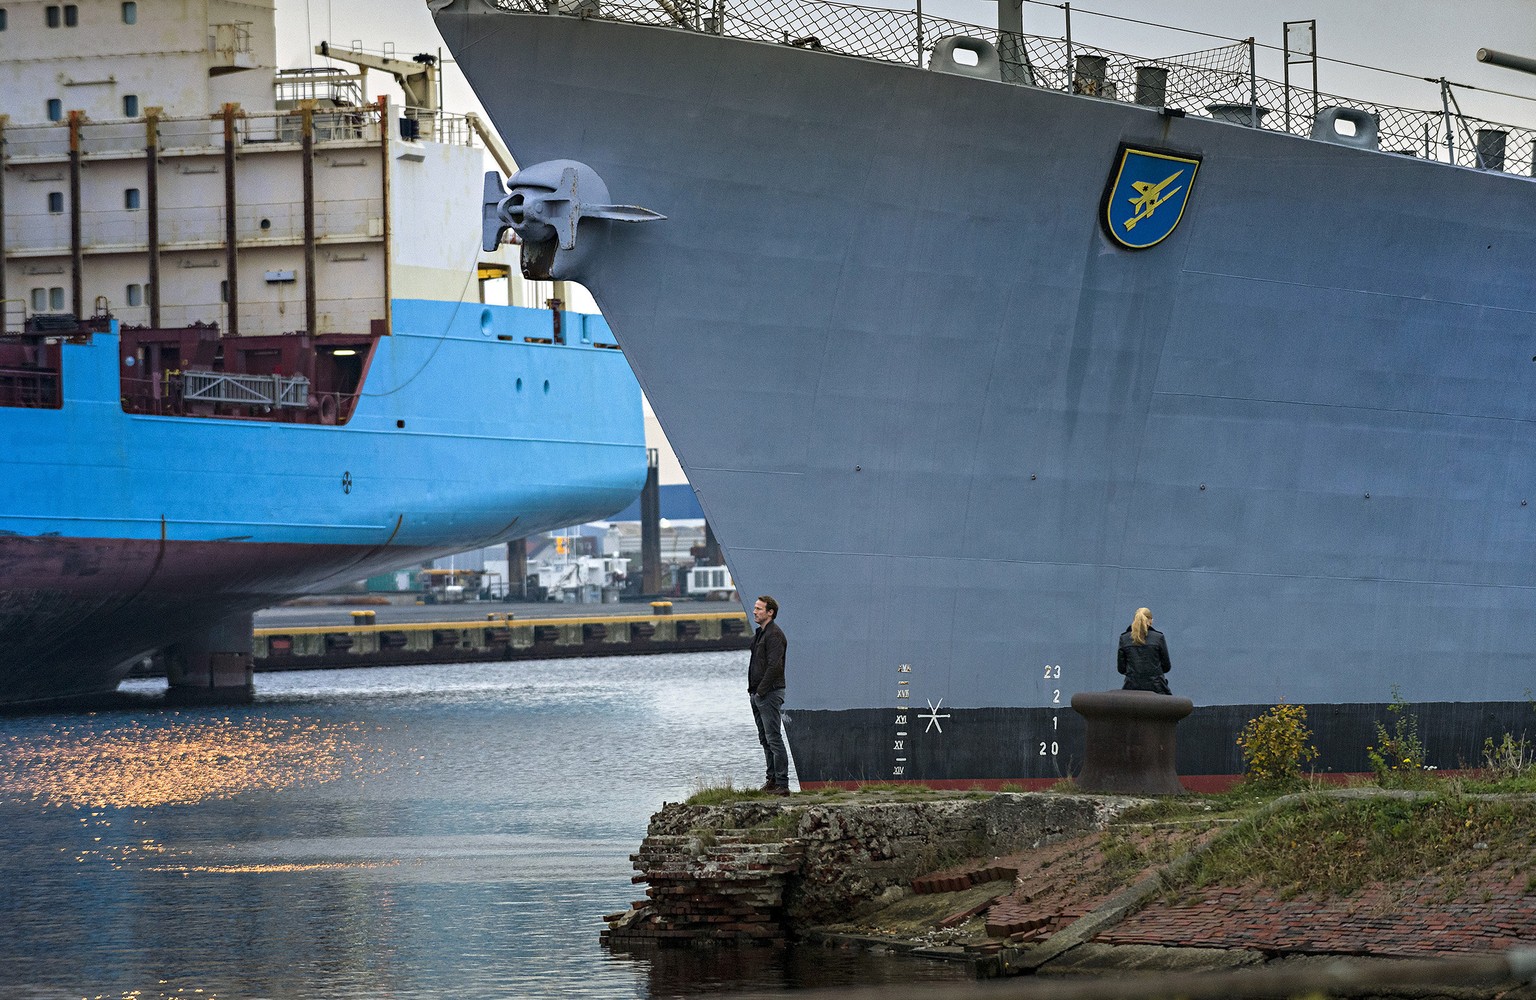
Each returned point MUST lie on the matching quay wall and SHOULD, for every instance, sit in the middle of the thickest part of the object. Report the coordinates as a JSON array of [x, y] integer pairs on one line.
[[500, 637]]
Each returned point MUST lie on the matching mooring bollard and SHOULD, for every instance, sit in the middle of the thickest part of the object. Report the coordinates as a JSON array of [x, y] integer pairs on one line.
[[1130, 741]]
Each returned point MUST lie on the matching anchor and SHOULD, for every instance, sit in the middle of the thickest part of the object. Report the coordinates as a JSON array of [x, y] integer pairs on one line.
[[544, 205]]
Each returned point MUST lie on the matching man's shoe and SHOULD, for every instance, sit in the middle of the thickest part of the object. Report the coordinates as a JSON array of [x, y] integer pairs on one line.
[[778, 790], [768, 786]]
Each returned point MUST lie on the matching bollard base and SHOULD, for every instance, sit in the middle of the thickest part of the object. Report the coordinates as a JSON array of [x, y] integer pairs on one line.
[[1130, 741]]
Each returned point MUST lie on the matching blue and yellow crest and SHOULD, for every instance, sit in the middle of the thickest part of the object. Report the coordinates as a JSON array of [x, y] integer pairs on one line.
[[1147, 192]]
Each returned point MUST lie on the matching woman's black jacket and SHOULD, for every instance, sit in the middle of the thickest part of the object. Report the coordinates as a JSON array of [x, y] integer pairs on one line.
[[1144, 665]]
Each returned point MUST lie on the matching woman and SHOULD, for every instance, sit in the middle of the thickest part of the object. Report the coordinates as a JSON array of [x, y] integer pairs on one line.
[[1143, 655]]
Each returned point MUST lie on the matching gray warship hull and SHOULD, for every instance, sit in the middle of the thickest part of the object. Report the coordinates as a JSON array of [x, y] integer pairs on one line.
[[962, 435]]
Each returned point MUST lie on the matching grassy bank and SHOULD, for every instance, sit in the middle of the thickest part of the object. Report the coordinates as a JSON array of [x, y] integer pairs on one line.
[[1324, 845], [1299, 837]]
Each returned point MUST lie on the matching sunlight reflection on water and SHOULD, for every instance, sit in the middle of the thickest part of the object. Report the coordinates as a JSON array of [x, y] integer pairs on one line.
[[427, 832]]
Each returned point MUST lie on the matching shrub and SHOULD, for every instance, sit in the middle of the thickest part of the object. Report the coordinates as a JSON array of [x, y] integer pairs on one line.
[[1276, 745], [1509, 758], [1398, 756]]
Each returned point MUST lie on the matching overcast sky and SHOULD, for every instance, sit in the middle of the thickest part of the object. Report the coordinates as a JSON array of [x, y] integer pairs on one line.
[[1424, 38]]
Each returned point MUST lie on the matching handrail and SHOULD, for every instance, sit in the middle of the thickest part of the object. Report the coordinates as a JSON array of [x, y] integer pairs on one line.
[[1208, 83], [194, 133]]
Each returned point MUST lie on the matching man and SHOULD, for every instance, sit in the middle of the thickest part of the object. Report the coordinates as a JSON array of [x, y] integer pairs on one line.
[[765, 683]]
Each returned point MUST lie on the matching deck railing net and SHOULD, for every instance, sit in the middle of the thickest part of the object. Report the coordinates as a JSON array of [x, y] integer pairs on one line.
[[1217, 83]]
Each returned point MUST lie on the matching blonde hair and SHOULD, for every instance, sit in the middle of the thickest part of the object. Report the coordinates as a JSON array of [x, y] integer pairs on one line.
[[1139, 626]]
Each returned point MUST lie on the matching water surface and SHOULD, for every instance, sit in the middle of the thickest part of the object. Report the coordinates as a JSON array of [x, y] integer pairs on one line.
[[432, 832]]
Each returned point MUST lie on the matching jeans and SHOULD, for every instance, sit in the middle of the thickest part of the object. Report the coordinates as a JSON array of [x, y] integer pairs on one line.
[[767, 712]]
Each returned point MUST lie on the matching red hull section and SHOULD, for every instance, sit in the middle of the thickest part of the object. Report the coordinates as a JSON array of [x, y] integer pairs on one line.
[[78, 613]]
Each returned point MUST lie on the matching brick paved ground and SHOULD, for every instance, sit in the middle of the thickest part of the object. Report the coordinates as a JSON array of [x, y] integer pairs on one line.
[[1481, 912], [1061, 881], [1492, 911]]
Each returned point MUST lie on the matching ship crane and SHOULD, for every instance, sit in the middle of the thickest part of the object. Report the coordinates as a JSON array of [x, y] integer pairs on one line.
[[417, 77]]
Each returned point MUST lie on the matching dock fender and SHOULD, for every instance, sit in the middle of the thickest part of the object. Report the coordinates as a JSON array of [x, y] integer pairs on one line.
[[545, 206]]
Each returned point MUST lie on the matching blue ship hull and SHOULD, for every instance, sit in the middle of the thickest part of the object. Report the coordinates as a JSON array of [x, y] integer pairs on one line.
[[121, 532]]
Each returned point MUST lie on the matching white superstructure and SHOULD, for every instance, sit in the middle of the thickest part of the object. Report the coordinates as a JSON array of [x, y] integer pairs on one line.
[[114, 58], [156, 167]]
